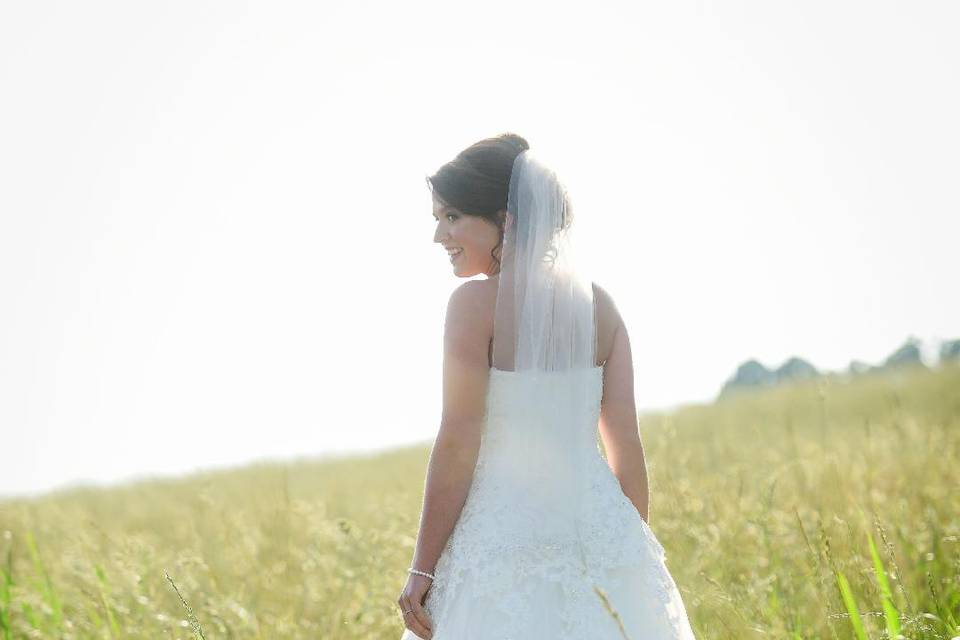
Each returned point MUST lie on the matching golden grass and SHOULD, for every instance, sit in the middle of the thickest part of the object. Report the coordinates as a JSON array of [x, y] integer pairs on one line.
[[782, 512]]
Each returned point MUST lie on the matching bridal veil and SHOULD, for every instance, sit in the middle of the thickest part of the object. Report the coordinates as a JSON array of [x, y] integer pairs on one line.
[[544, 316]]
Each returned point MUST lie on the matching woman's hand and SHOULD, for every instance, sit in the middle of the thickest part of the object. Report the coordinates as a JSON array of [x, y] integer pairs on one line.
[[411, 600]]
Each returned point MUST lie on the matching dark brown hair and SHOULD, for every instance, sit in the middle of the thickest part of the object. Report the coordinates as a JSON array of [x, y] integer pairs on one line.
[[477, 181]]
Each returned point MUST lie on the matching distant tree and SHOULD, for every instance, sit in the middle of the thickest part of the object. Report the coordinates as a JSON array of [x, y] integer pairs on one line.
[[908, 354], [752, 374], [796, 369], [749, 374], [858, 367], [950, 350]]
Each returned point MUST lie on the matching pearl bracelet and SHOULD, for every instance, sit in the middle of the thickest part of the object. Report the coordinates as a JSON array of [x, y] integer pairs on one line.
[[421, 573]]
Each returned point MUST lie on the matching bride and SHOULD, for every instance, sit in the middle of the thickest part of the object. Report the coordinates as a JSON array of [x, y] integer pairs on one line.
[[527, 531]]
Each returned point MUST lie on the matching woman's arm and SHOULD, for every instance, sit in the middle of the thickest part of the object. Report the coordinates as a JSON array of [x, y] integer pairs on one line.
[[466, 375], [618, 422]]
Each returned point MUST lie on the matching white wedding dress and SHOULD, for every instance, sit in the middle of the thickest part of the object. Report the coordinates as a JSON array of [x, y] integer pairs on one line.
[[544, 523]]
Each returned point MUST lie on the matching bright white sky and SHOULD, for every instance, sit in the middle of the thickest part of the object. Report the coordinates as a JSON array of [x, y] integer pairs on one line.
[[216, 239]]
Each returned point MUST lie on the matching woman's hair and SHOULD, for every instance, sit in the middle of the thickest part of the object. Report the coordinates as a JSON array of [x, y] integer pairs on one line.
[[477, 181]]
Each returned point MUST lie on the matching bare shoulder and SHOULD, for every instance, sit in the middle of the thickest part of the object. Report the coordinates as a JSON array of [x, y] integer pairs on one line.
[[469, 323], [473, 301], [607, 312], [473, 292], [608, 320]]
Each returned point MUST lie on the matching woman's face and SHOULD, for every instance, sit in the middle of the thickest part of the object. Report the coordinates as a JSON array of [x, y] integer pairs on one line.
[[469, 240]]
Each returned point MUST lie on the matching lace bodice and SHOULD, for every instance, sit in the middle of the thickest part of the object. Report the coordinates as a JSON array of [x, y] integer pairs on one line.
[[544, 502]]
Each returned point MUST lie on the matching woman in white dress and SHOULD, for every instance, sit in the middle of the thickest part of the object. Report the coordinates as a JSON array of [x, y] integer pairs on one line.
[[527, 531]]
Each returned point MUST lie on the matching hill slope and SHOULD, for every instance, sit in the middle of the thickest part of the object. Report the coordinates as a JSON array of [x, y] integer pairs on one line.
[[760, 500]]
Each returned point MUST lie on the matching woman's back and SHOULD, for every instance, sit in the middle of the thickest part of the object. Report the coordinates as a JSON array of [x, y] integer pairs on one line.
[[545, 522], [607, 317]]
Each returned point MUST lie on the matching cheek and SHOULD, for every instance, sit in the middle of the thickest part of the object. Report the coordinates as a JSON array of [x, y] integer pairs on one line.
[[477, 238], [472, 247]]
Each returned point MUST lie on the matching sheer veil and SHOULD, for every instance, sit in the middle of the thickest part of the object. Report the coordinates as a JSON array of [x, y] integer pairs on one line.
[[544, 317]]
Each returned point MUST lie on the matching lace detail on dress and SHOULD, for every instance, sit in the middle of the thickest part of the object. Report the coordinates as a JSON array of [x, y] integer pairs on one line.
[[546, 518]]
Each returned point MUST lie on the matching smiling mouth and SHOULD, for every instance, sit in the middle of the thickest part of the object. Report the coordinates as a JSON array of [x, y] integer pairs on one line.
[[455, 254]]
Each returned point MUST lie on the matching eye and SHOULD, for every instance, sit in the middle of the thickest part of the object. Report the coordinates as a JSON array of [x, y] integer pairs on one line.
[[452, 215]]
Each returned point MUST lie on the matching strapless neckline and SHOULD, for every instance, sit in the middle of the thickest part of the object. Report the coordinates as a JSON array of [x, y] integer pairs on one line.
[[508, 372]]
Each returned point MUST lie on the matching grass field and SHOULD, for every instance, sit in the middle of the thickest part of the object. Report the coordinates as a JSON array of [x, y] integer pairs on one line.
[[827, 509]]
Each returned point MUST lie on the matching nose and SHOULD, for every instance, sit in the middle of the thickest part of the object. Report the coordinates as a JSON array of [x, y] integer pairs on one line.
[[439, 233]]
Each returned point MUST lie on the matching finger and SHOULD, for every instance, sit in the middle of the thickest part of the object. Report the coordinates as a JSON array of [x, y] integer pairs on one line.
[[419, 631], [413, 621], [422, 617], [414, 625]]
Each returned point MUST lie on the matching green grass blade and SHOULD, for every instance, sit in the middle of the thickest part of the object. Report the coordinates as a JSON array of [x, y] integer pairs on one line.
[[46, 585], [851, 606], [6, 586], [105, 599], [30, 616], [890, 613]]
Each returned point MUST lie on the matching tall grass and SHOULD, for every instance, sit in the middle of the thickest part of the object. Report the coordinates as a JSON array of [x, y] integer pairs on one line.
[[822, 510]]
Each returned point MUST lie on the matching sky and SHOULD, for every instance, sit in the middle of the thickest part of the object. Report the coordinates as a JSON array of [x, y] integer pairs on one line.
[[216, 238]]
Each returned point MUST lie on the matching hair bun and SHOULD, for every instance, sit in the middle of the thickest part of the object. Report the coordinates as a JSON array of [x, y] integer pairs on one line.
[[519, 141]]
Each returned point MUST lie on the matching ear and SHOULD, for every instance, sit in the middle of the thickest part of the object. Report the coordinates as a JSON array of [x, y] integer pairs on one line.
[[506, 217]]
